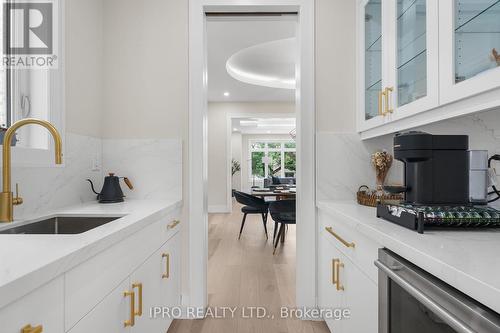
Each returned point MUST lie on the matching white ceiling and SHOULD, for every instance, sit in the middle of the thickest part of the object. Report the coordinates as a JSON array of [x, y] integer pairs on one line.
[[264, 125], [227, 36], [270, 64]]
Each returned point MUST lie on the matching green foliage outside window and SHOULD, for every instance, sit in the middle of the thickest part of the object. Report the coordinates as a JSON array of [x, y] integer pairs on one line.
[[258, 167]]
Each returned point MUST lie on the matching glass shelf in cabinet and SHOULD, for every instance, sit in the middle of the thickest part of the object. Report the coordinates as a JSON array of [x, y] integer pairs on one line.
[[477, 18]]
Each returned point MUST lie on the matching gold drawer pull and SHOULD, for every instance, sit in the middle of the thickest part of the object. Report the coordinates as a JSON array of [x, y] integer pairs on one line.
[[131, 321], [340, 239], [167, 273], [337, 265], [381, 94], [139, 290], [31, 329], [387, 94], [174, 224]]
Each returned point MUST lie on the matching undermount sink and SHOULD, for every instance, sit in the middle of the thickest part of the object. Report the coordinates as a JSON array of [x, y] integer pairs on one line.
[[60, 226]]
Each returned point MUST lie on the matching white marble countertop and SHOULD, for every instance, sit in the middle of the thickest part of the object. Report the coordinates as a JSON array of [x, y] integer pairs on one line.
[[29, 261], [467, 260]]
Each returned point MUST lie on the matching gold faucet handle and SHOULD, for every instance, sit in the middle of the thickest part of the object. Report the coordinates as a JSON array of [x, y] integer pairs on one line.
[[17, 200], [31, 329]]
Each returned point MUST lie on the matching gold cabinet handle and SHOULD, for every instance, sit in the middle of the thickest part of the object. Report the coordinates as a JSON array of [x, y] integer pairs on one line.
[[31, 329], [381, 94], [334, 274], [130, 322], [167, 273], [174, 224], [337, 265], [139, 291], [387, 95], [340, 239]]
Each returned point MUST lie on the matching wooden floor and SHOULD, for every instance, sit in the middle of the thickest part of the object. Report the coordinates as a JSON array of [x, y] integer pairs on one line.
[[244, 273]]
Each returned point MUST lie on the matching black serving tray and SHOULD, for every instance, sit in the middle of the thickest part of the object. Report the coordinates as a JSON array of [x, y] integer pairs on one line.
[[420, 218]]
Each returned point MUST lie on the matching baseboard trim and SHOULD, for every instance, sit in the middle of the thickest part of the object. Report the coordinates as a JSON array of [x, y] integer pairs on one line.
[[218, 209]]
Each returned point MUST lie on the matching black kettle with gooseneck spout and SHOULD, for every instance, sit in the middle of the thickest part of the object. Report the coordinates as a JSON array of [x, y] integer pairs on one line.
[[111, 190]]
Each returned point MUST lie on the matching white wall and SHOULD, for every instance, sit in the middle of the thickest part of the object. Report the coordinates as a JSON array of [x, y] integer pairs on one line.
[[218, 144], [84, 67], [335, 65], [236, 154], [145, 69]]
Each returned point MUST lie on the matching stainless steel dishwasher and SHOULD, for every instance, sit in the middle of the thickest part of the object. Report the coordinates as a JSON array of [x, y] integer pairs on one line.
[[413, 301]]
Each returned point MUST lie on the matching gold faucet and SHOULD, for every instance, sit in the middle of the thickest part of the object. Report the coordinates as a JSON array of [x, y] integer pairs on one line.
[[7, 200]]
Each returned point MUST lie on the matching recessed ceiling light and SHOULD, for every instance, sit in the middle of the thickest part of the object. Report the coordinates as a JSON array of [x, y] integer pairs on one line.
[[268, 132], [226, 94], [235, 129]]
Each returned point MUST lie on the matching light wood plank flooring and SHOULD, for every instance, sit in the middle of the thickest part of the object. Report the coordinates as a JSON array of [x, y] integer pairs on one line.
[[243, 273]]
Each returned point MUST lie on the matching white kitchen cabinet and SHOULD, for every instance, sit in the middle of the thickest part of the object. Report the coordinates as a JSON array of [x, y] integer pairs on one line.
[[360, 297], [158, 279], [371, 63], [155, 283], [344, 283], [110, 315], [43, 307], [398, 63], [422, 61], [329, 298], [470, 38], [173, 281], [413, 57], [136, 265], [84, 289]]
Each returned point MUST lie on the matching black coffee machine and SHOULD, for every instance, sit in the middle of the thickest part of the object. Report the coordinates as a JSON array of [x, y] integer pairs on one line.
[[436, 168]]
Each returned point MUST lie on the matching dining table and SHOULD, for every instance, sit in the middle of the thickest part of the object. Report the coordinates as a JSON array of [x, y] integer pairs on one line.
[[279, 194]]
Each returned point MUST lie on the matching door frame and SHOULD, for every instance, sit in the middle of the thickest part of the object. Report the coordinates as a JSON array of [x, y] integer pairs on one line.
[[306, 126]]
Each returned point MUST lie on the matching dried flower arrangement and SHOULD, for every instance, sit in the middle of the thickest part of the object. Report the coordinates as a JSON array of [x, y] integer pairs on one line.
[[382, 162], [496, 56]]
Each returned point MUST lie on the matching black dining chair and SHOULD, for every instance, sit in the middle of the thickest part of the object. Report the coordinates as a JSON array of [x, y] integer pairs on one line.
[[252, 205], [282, 212]]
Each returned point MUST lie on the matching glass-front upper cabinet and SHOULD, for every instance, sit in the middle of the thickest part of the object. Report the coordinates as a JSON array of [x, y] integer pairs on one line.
[[412, 49], [370, 61], [470, 52]]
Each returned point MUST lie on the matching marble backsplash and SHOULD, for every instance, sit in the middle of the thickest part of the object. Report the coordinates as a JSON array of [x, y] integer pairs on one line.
[[154, 167], [48, 188], [344, 160]]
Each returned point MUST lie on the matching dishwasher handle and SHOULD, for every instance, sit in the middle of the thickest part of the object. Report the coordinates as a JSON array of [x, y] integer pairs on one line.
[[444, 314]]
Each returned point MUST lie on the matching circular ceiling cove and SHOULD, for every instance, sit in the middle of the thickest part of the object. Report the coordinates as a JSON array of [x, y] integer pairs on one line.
[[270, 64]]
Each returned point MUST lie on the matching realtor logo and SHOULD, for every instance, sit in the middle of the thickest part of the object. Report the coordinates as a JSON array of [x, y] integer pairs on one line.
[[29, 34], [30, 28]]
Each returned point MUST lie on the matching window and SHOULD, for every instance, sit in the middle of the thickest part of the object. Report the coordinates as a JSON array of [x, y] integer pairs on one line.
[[31, 87], [24, 93], [272, 158]]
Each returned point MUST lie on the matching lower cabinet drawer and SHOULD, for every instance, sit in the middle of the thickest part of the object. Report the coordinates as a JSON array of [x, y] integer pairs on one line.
[[360, 296], [110, 315], [362, 250], [159, 278], [87, 284], [345, 288], [128, 307], [43, 307]]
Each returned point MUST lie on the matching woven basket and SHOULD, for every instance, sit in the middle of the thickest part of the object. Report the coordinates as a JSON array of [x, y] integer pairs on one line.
[[371, 198]]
